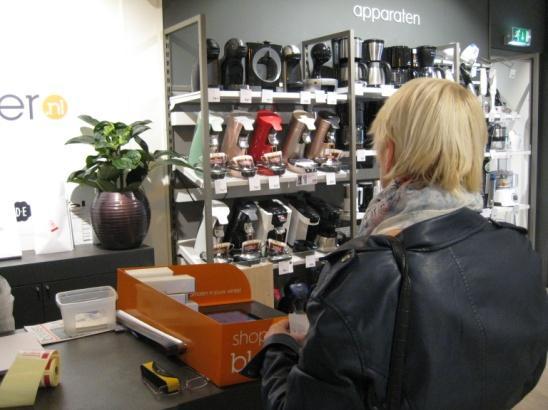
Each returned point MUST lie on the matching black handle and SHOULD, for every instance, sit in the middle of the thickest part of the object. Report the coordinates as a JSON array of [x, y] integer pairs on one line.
[[38, 291], [387, 72]]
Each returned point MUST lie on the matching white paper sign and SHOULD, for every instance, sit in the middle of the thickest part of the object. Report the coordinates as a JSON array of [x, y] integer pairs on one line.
[[285, 267], [310, 178], [220, 186], [310, 261], [330, 178], [321, 97], [267, 96], [274, 182], [332, 98], [255, 183], [245, 96], [305, 97], [361, 155], [213, 95]]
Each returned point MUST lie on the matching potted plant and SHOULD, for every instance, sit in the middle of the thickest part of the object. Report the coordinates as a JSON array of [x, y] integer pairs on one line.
[[120, 213]]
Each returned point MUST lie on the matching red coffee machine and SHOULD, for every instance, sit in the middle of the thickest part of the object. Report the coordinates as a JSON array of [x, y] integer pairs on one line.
[[264, 143]]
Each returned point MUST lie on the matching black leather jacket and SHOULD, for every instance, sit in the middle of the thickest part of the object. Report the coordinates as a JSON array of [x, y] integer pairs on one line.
[[479, 323]]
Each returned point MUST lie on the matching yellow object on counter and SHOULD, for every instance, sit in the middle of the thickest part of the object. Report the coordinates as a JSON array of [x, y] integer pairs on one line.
[[29, 370]]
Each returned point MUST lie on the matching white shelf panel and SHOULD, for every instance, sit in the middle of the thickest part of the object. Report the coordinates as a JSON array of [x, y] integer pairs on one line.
[[185, 249], [502, 116], [506, 154], [384, 91], [234, 96]]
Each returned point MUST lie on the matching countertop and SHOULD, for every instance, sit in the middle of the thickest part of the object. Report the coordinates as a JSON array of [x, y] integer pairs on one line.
[[102, 372]]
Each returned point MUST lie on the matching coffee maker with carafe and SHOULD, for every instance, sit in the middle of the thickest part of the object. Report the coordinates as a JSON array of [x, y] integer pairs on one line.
[[344, 139], [401, 61], [239, 126], [221, 250], [425, 63], [325, 231], [296, 140], [292, 74], [242, 231], [342, 55], [322, 148], [274, 222], [322, 76], [233, 64], [302, 230], [217, 159], [379, 71], [264, 143]]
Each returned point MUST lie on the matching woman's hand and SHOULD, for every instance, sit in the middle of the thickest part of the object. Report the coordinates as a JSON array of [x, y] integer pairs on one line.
[[282, 327]]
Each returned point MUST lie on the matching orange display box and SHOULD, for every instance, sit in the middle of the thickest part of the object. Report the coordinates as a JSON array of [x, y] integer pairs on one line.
[[223, 336]]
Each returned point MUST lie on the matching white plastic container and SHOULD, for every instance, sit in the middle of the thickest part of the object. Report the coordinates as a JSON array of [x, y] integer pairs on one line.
[[88, 310]]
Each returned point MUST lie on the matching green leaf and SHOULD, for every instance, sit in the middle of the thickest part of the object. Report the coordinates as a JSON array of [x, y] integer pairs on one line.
[[139, 129], [106, 186], [136, 176], [92, 160], [108, 172], [166, 152], [90, 120], [86, 131], [136, 123], [130, 159], [82, 139], [142, 144], [171, 161]]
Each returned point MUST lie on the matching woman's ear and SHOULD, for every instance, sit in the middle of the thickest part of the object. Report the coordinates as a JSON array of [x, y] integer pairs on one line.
[[387, 161]]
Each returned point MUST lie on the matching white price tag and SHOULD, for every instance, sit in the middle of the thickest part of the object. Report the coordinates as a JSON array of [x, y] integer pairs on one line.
[[310, 261], [474, 71], [285, 267], [492, 116], [255, 183], [330, 178], [220, 186], [321, 97], [332, 98], [213, 95], [307, 179], [245, 96], [359, 89], [274, 182], [361, 155], [267, 96], [305, 97]]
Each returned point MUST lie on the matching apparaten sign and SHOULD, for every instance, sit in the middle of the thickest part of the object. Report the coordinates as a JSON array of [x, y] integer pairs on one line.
[[374, 14]]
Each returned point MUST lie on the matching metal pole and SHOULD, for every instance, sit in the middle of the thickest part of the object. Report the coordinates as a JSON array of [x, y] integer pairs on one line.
[[208, 190], [352, 124]]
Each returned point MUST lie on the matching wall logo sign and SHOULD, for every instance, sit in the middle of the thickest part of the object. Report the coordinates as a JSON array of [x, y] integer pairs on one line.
[[24, 107], [374, 14], [22, 211]]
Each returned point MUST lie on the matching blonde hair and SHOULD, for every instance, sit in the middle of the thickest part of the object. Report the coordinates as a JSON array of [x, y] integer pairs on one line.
[[439, 134]]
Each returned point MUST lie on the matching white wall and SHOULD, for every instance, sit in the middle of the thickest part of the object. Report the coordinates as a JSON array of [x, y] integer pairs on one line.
[[105, 58]]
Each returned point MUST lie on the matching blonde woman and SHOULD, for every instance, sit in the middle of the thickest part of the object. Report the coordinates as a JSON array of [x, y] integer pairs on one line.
[[478, 322]]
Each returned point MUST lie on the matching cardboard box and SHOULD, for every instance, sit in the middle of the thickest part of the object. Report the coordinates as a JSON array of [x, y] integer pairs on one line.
[[223, 335]]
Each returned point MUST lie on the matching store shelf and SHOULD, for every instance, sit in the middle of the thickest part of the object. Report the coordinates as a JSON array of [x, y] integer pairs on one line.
[[239, 187], [506, 154], [259, 97], [375, 93], [502, 116], [185, 249]]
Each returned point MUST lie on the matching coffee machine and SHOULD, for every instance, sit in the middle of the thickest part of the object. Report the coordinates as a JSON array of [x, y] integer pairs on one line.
[[241, 232], [217, 159], [297, 138], [322, 148], [342, 55], [502, 188], [343, 141], [346, 214], [379, 71], [239, 126], [401, 61], [368, 190], [264, 143], [263, 65], [325, 231], [425, 63], [274, 222], [303, 228], [322, 76], [213, 68], [221, 250], [233, 64], [292, 74]]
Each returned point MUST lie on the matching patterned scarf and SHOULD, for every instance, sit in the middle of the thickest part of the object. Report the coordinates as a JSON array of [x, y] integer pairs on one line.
[[403, 203]]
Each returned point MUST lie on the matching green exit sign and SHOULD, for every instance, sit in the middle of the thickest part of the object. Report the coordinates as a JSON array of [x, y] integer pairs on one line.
[[520, 37]]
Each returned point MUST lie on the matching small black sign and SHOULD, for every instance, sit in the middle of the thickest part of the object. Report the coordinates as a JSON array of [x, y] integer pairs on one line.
[[22, 211]]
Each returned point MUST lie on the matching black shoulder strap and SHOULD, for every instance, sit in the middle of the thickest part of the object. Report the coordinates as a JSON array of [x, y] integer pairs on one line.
[[401, 327]]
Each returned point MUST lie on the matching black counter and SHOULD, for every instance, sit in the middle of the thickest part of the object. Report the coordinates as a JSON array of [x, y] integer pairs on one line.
[[102, 372]]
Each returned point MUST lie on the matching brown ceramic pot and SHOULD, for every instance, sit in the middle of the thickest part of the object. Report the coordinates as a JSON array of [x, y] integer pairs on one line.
[[120, 219]]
